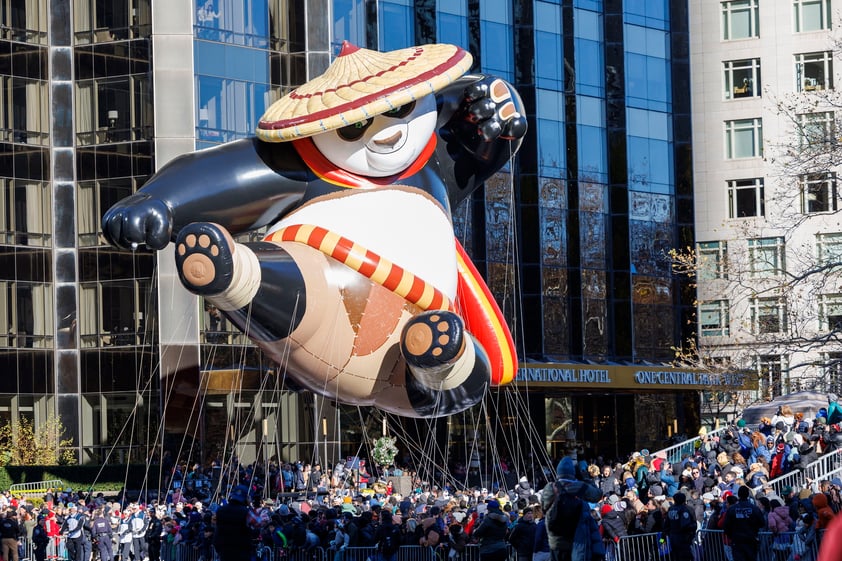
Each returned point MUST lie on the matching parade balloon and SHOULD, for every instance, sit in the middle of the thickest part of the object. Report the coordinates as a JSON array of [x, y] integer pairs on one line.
[[359, 290]]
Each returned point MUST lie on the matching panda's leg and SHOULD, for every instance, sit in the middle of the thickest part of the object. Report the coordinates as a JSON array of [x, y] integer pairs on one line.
[[257, 285], [448, 371]]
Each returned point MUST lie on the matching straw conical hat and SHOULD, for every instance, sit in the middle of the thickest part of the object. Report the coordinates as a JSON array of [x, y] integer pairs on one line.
[[360, 84]]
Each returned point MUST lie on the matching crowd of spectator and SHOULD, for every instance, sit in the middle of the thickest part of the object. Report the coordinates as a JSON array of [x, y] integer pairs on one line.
[[295, 505]]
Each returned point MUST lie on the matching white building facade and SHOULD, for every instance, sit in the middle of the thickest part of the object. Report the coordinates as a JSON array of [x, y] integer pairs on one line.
[[765, 157]]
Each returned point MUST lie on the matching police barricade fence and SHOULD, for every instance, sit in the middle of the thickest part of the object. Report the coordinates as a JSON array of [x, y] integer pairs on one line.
[[56, 549], [711, 545], [188, 552]]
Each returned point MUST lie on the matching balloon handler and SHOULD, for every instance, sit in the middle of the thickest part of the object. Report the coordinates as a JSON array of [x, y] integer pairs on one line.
[[359, 290]]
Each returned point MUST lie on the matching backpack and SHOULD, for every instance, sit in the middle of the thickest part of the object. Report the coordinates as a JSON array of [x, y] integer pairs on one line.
[[563, 516], [391, 541]]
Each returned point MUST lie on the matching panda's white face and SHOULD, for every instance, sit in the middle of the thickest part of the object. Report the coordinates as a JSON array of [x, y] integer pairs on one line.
[[384, 145]]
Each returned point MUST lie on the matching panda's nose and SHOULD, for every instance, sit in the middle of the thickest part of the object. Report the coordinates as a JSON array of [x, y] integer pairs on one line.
[[390, 140]]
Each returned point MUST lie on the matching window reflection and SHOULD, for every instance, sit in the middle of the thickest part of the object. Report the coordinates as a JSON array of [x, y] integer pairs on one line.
[[24, 21], [116, 313], [25, 211], [99, 21], [24, 107], [236, 22], [26, 313], [113, 110], [592, 240]]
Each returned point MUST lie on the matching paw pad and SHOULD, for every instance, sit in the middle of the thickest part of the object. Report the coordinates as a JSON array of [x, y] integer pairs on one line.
[[203, 256], [433, 339]]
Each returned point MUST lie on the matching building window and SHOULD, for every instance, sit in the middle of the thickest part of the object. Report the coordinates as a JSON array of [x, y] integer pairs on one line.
[[24, 108], [25, 212], [816, 128], [24, 21], [712, 260], [739, 19], [770, 375], [742, 78], [714, 318], [829, 249], [810, 15], [831, 382], [92, 200], [745, 198], [814, 71], [26, 309], [818, 193], [113, 110], [768, 315], [830, 312], [114, 313], [766, 256], [744, 138]]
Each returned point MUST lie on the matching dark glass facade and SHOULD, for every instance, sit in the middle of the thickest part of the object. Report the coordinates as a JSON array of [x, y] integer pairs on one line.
[[573, 237]]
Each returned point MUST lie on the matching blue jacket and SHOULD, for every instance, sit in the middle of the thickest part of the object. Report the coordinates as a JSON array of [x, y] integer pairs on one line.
[[587, 543], [668, 482]]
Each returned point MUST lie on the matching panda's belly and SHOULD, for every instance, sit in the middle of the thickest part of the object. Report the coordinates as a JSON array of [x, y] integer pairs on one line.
[[401, 224]]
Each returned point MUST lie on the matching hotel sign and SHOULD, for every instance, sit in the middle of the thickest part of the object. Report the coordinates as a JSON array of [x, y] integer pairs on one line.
[[616, 377]]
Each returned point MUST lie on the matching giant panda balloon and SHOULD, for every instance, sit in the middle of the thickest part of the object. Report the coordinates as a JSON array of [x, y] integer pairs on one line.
[[359, 290]]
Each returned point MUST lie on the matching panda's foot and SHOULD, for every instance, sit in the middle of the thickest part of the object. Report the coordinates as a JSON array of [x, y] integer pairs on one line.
[[211, 264], [447, 371], [433, 339], [204, 258]]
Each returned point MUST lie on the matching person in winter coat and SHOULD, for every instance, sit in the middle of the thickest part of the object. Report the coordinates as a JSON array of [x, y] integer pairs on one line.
[[523, 489], [780, 462], [491, 533], [541, 548], [232, 537], [10, 532], [572, 532], [832, 438], [668, 480], [608, 482], [124, 537], [457, 541], [40, 539], [522, 536], [613, 523], [780, 524], [154, 533], [824, 514], [680, 526], [101, 534], [742, 523], [340, 540]]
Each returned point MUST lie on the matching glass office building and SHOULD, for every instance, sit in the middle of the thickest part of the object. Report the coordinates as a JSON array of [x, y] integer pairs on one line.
[[573, 238]]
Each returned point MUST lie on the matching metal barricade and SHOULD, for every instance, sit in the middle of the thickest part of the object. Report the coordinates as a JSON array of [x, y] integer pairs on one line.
[[471, 553], [35, 488], [638, 547], [351, 554], [825, 467], [55, 550], [710, 545], [307, 554], [676, 452]]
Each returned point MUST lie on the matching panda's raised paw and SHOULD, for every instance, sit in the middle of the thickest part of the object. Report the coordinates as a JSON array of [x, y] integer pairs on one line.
[[204, 258]]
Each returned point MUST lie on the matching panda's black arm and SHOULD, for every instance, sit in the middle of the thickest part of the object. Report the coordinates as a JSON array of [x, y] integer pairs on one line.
[[481, 125], [241, 185]]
